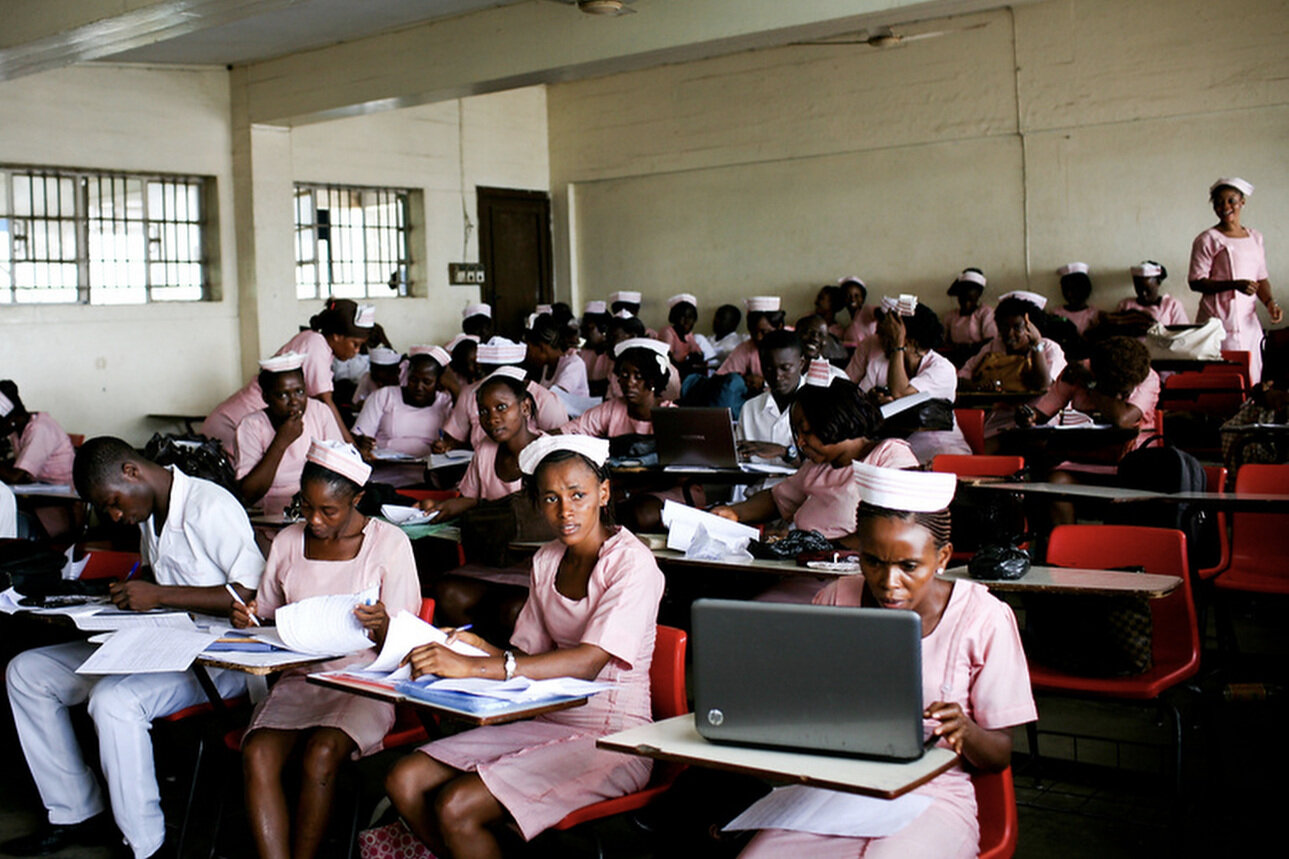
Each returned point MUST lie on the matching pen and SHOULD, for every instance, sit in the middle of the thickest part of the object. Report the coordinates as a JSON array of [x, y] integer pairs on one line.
[[237, 598], [133, 570]]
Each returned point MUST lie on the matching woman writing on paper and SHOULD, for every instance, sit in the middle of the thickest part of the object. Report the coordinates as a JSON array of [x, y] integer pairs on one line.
[[335, 550], [975, 681], [591, 614]]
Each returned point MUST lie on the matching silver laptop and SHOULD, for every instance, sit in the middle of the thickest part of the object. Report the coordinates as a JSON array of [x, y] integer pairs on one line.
[[699, 437], [813, 678]]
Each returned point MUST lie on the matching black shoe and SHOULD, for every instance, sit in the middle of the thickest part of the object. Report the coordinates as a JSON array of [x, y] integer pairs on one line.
[[52, 837]]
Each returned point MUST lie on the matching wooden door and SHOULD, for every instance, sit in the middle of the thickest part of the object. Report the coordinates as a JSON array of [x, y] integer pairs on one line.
[[515, 249]]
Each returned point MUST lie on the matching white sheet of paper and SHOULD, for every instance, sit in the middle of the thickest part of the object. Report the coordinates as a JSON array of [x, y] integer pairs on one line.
[[682, 523], [112, 618], [407, 631], [575, 405], [452, 457], [325, 625], [830, 812], [894, 407], [73, 568], [767, 468], [9, 601], [147, 650], [407, 515]]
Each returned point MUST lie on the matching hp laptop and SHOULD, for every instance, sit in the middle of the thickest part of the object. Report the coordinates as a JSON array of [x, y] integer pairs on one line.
[[828, 679]]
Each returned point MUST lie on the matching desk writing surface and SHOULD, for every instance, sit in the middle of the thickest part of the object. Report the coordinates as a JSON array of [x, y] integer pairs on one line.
[[260, 664], [1070, 580], [677, 739], [1104, 493], [671, 558]]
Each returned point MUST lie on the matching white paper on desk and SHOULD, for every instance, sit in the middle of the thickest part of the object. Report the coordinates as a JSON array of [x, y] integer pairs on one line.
[[407, 515], [9, 601], [325, 624], [70, 610], [766, 468], [271, 659], [682, 523], [147, 650], [452, 457], [406, 631], [385, 454], [521, 690], [894, 407], [830, 812], [107, 619]]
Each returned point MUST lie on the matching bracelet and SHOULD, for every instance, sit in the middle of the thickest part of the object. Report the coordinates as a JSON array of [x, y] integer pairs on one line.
[[900, 349], [509, 657]]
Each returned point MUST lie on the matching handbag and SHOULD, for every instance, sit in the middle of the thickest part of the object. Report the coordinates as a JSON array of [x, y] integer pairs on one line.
[[1001, 372], [1202, 344], [392, 841], [998, 563]]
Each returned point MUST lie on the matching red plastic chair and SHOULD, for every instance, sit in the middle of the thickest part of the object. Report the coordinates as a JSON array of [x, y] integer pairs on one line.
[[1175, 643], [972, 424], [977, 465], [110, 564], [408, 727], [1221, 392], [1238, 356], [667, 691], [996, 814], [1259, 541], [1215, 479]]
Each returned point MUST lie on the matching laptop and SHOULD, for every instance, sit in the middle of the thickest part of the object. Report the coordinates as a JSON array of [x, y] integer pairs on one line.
[[702, 439], [838, 680]]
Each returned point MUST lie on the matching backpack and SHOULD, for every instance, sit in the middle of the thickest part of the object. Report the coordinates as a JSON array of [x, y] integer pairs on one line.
[[1168, 469], [195, 456]]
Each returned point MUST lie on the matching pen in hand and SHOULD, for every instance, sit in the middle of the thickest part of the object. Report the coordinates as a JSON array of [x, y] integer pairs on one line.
[[237, 598]]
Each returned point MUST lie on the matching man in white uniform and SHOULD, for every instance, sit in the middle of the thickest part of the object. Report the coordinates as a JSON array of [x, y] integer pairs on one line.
[[764, 428], [195, 539]]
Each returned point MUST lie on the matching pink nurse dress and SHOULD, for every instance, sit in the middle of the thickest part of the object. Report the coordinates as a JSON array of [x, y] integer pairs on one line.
[[1218, 257], [384, 560], [544, 768], [1169, 311], [973, 657], [254, 435], [1082, 319], [463, 423], [975, 327], [44, 451], [819, 497], [680, 348], [746, 358]]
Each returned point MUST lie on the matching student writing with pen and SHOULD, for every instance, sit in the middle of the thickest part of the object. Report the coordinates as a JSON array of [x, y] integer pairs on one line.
[[195, 540]]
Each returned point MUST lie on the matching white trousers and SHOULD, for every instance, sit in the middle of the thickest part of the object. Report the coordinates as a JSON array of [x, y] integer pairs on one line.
[[43, 684]]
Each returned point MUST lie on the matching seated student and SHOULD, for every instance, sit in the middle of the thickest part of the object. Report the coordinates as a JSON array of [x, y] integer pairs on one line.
[[908, 364], [834, 426], [194, 539], [338, 332], [463, 369], [764, 427], [592, 614], [595, 347], [272, 443], [1147, 277], [624, 326], [463, 429], [725, 337], [385, 370], [975, 680], [347, 375], [763, 316], [406, 419], [630, 301], [862, 322], [682, 315], [42, 453], [1268, 403], [552, 362], [971, 324], [476, 321], [816, 342], [335, 550], [1076, 289], [830, 301]]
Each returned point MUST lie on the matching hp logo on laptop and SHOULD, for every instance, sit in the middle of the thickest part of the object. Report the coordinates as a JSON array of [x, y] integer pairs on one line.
[[715, 717]]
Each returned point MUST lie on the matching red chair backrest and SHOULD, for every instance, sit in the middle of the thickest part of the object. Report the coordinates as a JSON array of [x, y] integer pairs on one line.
[[978, 466], [667, 673], [1220, 402], [996, 813], [972, 424], [109, 564], [1260, 541], [426, 611], [1175, 637], [1240, 356]]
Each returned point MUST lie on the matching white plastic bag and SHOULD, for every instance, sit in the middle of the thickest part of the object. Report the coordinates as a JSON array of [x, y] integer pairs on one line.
[[1198, 344]]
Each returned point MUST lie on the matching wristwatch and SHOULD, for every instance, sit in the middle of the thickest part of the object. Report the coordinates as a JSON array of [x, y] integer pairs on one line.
[[509, 656]]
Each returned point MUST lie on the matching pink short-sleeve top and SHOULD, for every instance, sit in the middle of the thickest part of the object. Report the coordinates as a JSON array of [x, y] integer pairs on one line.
[[935, 376], [570, 375], [254, 435], [44, 451], [680, 347], [480, 480], [1063, 393], [819, 497], [862, 326], [1215, 256], [746, 358], [975, 327], [609, 420], [463, 423], [1169, 311], [397, 426], [1082, 319], [599, 365]]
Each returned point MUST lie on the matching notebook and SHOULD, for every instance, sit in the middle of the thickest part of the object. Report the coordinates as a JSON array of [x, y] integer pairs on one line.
[[840, 680], [695, 439]]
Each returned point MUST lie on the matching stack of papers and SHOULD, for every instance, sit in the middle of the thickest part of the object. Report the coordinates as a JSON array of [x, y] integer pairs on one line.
[[478, 696], [828, 812], [683, 523], [147, 650], [325, 625], [452, 457], [407, 631]]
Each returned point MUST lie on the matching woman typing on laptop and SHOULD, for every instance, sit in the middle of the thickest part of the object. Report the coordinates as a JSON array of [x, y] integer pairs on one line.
[[974, 677]]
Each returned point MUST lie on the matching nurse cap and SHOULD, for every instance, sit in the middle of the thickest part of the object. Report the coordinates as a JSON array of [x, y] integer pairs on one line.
[[762, 303], [283, 363], [382, 357], [912, 491], [852, 278], [1039, 301], [595, 307], [1146, 268], [968, 276], [630, 296], [681, 296], [542, 308], [499, 350], [657, 347], [1073, 268], [477, 310], [341, 457], [594, 449], [1245, 188], [438, 353], [510, 372]]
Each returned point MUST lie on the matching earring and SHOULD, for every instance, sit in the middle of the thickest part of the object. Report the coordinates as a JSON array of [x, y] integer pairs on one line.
[[940, 572]]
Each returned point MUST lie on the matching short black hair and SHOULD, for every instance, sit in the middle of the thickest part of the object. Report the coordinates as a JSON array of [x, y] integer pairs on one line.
[[266, 378], [938, 522], [10, 390], [925, 327], [731, 312], [836, 296], [1119, 364], [98, 462], [646, 362], [1013, 307], [338, 483], [545, 331], [1078, 283], [774, 317], [476, 325], [680, 307], [630, 325], [838, 412], [781, 338]]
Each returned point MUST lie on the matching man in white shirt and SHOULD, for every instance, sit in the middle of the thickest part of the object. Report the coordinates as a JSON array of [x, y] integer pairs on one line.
[[765, 431], [195, 540]]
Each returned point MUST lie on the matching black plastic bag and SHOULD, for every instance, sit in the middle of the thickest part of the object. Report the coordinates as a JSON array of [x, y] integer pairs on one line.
[[796, 543], [998, 563]]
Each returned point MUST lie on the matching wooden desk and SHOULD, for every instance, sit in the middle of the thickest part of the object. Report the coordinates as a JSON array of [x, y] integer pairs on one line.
[[677, 739], [670, 559], [189, 421], [1070, 580], [1243, 502], [1111, 494], [290, 661], [385, 691]]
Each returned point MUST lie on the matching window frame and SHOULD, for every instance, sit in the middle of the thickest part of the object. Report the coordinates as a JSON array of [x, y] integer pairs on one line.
[[348, 235]]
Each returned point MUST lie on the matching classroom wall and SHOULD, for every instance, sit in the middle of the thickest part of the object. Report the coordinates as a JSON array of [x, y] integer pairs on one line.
[[101, 369], [1022, 139]]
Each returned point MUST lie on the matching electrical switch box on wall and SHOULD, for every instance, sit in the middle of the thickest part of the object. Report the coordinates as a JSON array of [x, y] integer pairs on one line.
[[465, 273]]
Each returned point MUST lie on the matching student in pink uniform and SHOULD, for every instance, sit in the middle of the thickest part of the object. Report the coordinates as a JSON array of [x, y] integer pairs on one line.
[[385, 369], [1076, 289], [335, 550], [830, 301], [1229, 267], [551, 361], [863, 323], [595, 346], [591, 614], [763, 316], [405, 419], [42, 451], [462, 428], [975, 680], [834, 426], [272, 443], [682, 316], [476, 322], [971, 324], [1147, 278], [338, 332]]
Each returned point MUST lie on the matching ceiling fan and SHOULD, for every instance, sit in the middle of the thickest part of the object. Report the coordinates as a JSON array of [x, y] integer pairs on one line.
[[603, 8], [885, 37]]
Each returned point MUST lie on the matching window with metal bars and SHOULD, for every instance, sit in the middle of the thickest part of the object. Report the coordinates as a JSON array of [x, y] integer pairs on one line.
[[87, 237], [351, 242]]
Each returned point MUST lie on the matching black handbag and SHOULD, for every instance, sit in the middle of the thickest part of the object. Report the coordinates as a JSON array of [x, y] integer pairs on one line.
[[998, 563]]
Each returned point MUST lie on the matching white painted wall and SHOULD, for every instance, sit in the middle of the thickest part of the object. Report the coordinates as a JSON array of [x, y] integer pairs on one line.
[[101, 369], [1071, 129]]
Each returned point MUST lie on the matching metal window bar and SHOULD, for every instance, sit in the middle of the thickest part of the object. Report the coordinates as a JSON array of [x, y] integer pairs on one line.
[[351, 241]]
